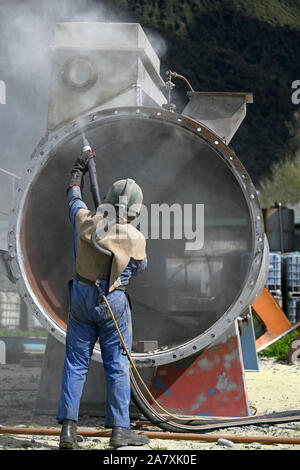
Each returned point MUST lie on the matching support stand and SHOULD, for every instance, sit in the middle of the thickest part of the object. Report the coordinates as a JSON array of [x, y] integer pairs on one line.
[[208, 384], [211, 383]]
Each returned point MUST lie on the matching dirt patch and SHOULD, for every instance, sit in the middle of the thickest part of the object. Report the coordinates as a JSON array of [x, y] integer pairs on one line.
[[274, 388]]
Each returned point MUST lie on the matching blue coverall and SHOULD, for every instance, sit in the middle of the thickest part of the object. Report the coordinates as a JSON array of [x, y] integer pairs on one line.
[[89, 321]]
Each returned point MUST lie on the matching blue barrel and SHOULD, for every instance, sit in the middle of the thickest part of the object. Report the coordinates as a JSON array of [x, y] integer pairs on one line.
[[292, 313], [292, 273]]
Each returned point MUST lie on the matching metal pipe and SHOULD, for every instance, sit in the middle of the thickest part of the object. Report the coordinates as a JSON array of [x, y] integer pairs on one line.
[[280, 226], [94, 182], [177, 75], [92, 172], [157, 435], [215, 437]]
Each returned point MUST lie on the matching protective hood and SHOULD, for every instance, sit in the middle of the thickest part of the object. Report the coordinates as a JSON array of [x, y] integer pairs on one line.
[[124, 241]]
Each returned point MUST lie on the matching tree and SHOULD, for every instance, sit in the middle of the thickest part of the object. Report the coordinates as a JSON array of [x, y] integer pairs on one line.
[[283, 184]]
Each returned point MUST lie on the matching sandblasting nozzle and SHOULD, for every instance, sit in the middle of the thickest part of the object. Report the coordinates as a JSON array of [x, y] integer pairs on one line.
[[85, 145]]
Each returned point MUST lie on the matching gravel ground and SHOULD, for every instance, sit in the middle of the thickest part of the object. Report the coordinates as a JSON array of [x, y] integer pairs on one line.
[[274, 388]]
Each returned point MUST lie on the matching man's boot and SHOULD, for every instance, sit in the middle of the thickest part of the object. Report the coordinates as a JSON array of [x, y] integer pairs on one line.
[[125, 437], [68, 436]]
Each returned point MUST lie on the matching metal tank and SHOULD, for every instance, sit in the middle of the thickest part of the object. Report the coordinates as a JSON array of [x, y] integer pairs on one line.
[[279, 224], [187, 297]]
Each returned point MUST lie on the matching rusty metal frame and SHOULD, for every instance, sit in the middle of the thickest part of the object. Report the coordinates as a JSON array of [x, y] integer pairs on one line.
[[276, 322]]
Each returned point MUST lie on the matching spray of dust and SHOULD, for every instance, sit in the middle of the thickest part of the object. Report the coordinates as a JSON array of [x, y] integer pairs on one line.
[[26, 31], [183, 170]]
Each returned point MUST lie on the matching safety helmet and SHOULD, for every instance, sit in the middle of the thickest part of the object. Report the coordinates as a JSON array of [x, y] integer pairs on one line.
[[126, 192]]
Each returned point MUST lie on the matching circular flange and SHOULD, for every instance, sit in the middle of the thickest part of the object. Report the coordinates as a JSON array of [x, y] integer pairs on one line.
[[256, 272]]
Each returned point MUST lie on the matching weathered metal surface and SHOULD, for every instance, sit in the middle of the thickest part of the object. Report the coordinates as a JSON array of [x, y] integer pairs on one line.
[[94, 393], [113, 64], [220, 112], [51, 311], [275, 321], [247, 336], [209, 384]]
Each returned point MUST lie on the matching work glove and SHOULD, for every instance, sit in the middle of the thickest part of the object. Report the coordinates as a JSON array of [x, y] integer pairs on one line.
[[80, 168]]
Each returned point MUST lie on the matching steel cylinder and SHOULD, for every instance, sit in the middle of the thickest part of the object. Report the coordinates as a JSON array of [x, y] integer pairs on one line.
[[187, 297]]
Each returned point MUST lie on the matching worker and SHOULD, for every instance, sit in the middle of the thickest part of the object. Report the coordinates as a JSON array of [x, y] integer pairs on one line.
[[89, 318]]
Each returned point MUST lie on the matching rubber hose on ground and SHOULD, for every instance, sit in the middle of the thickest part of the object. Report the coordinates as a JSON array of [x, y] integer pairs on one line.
[[192, 425]]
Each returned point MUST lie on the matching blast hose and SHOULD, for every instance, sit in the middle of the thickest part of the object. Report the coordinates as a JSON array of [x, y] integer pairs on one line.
[[92, 173]]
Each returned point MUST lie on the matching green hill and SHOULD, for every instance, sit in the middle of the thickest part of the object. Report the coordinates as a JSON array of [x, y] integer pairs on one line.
[[232, 45]]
